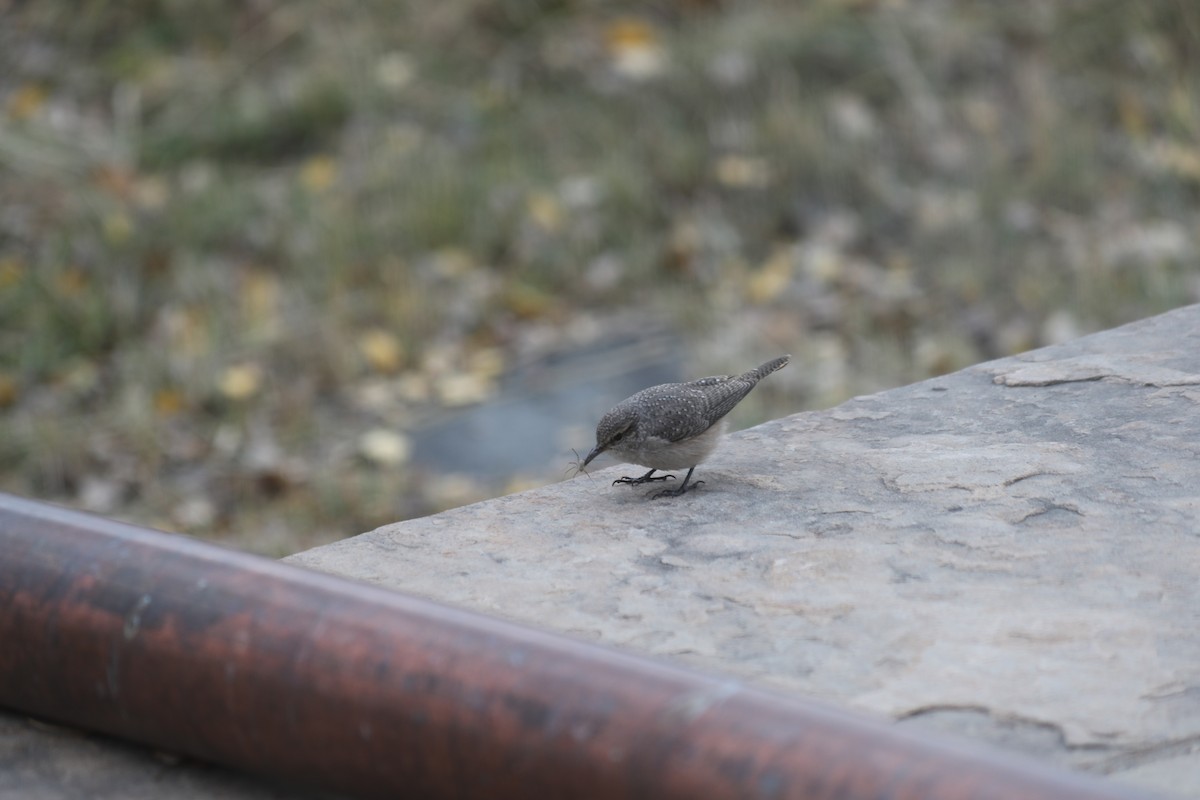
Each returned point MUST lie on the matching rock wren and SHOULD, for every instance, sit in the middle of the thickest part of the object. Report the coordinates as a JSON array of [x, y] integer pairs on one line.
[[674, 425]]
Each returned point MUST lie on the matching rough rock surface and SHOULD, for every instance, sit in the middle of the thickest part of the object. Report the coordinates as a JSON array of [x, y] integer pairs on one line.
[[1011, 552], [46, 762]]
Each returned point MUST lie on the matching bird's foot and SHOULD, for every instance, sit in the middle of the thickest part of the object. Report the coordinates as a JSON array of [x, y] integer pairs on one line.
[[644, 479], [687, 487]]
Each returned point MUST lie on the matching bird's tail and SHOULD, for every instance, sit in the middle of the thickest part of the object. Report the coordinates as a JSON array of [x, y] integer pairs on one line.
[[758, 373], [723, 393]]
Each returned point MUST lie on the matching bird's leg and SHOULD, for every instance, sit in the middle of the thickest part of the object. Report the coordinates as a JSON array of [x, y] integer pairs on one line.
[[683, 487], [644, 479]]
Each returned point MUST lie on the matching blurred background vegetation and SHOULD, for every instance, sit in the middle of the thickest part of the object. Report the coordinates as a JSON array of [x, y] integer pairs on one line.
[[252, 253]]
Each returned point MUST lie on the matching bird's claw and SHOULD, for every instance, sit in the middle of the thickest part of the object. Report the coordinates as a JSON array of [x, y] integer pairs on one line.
[[643, 479]]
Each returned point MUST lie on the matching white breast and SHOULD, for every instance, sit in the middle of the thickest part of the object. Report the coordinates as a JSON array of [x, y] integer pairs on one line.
[[661, 454]]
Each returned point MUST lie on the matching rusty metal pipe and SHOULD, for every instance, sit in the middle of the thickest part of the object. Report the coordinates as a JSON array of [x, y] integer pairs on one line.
[[320, 681]]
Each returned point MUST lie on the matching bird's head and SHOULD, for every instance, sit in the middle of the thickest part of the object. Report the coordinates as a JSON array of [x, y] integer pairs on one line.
[[615, 428]]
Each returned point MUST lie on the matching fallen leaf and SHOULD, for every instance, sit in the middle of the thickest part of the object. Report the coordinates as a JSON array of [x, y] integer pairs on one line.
[[151, 193], [71, 281], [118, 227], [116, 179], [318, 173], [487, 361], [11, 272], [242, 381], [382, 350], [743, 172], [385, 448], [168, 402], [260, 303], [528, 302], [769, 280], [26, 101], [635, 49], [462, 389], [545, 210], [8, 390]]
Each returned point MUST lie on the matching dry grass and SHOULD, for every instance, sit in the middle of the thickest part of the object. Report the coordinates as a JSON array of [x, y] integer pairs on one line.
[[245, 247]]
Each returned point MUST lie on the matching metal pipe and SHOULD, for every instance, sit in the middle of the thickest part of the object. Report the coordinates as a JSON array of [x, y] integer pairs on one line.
[[321, 681]]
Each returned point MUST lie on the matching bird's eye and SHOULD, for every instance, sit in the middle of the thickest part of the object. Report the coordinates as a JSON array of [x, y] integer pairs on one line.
[[617, 438]]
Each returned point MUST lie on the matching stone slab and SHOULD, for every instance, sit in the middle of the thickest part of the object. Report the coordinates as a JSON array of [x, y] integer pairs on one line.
[[39, 761], [1010, 552]]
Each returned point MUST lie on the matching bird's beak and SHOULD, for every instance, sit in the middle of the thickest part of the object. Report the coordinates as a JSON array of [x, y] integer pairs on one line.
[[597, 450]]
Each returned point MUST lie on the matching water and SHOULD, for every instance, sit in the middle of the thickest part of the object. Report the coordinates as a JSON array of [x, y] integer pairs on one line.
[[546, 407]]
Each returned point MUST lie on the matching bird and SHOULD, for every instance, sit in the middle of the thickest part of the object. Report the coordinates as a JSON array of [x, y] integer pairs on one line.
[[674, 425]]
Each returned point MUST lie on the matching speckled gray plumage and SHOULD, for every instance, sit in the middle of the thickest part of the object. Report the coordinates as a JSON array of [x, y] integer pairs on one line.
[[676, 411], [671, 426]]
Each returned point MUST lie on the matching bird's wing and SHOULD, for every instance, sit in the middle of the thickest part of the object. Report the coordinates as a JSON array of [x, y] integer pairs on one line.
[[722, 396], [675, 411]]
